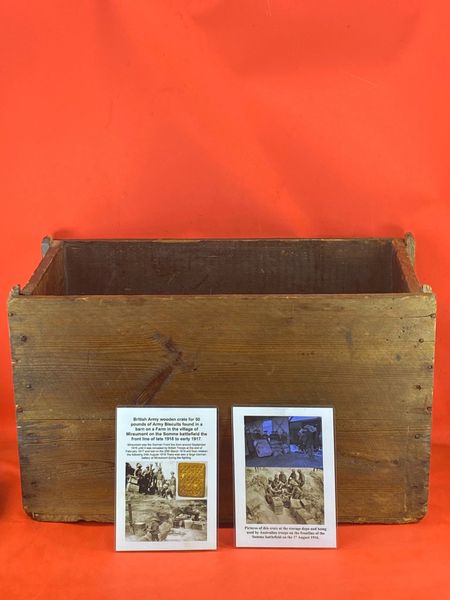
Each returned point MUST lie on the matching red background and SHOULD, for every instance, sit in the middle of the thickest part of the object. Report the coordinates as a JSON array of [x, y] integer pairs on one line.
[[214, 118]]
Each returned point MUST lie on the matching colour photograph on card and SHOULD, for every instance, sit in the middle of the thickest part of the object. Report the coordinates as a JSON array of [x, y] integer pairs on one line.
[[284, 476], [166, 478]]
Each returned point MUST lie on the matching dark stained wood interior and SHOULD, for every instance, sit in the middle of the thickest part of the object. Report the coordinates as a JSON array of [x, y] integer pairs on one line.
[[291, 266]]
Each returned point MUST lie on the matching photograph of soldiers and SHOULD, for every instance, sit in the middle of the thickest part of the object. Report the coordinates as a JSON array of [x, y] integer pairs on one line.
[[291, 496], [150, 479], [153, 512], [157, 519]]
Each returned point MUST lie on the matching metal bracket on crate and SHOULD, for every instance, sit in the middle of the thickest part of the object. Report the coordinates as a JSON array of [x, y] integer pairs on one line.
[[46, 244], [410, 244]]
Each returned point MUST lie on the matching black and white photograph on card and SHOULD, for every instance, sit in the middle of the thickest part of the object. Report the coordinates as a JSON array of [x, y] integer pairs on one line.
[[154, 511], [283, 496], [166, 478], [284, 476]]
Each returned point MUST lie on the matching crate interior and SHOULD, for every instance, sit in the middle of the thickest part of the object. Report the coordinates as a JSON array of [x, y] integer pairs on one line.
[[353, 266]]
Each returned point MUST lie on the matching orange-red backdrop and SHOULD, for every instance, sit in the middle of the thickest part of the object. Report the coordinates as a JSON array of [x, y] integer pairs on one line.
[[226, 118]]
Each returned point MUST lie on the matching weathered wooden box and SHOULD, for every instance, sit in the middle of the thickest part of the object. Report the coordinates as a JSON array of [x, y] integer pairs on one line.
[[223, 322]]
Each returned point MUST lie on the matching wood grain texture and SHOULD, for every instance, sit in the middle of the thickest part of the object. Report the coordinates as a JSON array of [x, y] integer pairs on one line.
[[229, 267], [371, 356], [403, 274], [49, 277]]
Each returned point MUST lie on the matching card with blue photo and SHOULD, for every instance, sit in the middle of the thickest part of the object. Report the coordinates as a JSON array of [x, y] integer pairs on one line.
[[284, 476]]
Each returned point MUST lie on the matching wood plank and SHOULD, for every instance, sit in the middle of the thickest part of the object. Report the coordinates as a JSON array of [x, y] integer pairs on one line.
[[404, 276], [371, 356], [49, 277], [67, 463]]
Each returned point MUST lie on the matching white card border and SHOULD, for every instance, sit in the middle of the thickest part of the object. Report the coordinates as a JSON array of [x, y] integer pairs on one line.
[[211, 412], [328, 452]]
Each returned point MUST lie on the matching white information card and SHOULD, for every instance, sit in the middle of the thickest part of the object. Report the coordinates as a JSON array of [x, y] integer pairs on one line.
[[166, 478], [284, 477]]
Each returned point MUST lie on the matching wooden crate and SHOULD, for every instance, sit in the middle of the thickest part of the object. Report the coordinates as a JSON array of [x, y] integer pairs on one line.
[[223, 322]]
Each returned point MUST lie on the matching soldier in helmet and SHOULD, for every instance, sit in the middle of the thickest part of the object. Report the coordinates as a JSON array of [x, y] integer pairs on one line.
[[152, 530], [296, 491], [165, 491], [144, 480], [138, 475], [286, 495], [159, 481], [292, 476], [172, 484], [269, 491], [276, 484]]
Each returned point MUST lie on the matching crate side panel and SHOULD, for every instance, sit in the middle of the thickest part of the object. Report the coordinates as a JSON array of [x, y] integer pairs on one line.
[[370, 357]]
